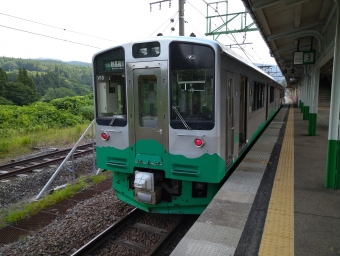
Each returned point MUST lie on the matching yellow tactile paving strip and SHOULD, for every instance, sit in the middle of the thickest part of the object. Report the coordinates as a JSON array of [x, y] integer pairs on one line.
[[278, 233]]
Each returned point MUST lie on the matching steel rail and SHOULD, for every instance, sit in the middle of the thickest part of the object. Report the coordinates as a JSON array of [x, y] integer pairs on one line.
[[25, 161], [39, 165], [167, 235], [166, 239], [106, 234]]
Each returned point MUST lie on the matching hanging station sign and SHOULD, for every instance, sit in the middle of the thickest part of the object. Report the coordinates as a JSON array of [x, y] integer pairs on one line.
[[307, 57]]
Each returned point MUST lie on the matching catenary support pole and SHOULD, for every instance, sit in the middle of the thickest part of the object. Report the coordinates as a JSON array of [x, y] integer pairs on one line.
[[332, 168], [181, 16]]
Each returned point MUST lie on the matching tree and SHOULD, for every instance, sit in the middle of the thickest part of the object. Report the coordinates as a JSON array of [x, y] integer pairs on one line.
[[4, 101], [20, 94], [82, 89], [25, 79], [3, 81], [10, 66], [58, 93]]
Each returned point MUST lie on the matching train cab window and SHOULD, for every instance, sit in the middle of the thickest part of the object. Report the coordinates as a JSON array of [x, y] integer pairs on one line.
[[109, 88], [192, 86], [144, 50], [111, 103]]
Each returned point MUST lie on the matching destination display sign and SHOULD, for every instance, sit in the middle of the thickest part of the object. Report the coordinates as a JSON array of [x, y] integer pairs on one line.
[[113, 65], [110, 61]]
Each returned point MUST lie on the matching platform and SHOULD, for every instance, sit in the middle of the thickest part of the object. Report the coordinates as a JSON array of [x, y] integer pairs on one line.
[[275, 202]]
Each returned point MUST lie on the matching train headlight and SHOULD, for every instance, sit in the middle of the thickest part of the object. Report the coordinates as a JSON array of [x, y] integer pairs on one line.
[[199, 142], [105, 135]]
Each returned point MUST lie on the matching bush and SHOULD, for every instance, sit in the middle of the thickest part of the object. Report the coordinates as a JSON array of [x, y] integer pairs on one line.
[[4, 101], [87, 112]]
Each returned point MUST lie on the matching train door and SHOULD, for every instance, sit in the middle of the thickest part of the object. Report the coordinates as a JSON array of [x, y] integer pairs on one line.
[[230, 117], [148, 101], [243, 112]]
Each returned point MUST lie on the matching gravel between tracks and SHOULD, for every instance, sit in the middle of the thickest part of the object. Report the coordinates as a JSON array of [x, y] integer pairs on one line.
[[81, 223], [72, 230], [21, 189]]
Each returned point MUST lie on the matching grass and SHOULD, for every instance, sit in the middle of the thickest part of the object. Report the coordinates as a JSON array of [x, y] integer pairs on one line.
[[17, 143], [19, 212]]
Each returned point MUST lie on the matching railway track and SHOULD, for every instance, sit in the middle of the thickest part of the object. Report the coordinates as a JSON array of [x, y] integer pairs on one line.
[[23, 166], [138, 233]]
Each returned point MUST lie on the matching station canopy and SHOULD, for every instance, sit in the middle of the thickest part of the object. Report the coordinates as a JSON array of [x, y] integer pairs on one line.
[[297, 32]]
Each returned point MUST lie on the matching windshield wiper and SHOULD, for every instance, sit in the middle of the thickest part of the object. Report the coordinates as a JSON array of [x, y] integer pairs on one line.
[[115, 115], [181, 118]]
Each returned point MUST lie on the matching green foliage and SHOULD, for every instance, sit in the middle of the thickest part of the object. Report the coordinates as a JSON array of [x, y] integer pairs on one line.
[[3, 81], [4, 146], [73, 104], [13, 145], [41, 115], [4, 101], [20, 94], [25, 79], [58, 93], [87, 112]]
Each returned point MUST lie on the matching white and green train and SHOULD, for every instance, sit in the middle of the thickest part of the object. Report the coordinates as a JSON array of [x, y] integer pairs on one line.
[[173, 115]]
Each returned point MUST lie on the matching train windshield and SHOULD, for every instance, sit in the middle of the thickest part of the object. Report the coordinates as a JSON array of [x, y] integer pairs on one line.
[[192, 86], [110, 88]]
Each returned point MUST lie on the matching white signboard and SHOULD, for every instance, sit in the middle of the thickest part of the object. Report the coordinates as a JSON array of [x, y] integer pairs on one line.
[[298, 58]]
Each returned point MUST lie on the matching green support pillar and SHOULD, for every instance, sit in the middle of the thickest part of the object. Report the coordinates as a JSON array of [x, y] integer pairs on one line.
[[306, 113], [301, 107], [312, 124]]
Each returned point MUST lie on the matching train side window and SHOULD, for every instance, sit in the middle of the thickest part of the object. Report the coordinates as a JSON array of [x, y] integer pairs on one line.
[[258, 96], [230, 109], [271, 91]]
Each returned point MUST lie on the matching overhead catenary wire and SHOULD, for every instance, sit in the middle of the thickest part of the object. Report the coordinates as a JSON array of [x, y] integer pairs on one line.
[[64, 29], [174, 25], [202, 15], [170, 23], [164, 22], [50, 37]]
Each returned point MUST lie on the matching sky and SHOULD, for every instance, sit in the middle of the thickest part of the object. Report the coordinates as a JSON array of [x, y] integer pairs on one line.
[[74, 30]]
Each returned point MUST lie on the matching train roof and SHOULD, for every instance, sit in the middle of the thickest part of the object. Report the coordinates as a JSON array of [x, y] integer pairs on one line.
[[214, 43]]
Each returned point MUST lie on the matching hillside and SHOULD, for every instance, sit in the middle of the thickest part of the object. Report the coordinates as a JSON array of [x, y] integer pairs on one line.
[[51, 78]]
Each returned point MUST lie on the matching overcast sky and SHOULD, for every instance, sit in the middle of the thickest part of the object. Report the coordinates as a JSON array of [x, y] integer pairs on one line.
[[74, 30]]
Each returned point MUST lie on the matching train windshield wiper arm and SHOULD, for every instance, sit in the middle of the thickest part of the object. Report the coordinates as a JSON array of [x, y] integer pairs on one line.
[[115, 115], [180, 117]]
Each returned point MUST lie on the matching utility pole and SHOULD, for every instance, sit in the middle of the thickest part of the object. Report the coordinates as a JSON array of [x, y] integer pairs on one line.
[[180, 13], [181, 16]]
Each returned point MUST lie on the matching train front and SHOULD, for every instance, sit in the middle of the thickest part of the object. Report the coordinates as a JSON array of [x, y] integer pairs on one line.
[[155, 110]]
